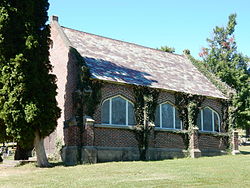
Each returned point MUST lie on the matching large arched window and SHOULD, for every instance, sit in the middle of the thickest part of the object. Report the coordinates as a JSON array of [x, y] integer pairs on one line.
[[118, 111], [208, 120], [167, 117]]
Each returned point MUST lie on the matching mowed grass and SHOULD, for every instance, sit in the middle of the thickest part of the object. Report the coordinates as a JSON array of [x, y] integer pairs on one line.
[[222, 171]]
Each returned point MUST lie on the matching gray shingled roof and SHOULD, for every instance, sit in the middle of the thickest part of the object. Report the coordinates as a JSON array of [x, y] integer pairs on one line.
[[118, 61]]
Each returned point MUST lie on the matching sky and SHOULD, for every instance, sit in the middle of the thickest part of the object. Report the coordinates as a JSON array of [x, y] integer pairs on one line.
[[181, 24]]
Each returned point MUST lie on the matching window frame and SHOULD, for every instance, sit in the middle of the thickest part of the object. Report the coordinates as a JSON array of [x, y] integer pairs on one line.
[[110, 110], [213, 125], [174, 120]]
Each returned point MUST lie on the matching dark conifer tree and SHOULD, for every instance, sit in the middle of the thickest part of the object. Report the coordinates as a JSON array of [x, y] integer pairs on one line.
[[27, 92]]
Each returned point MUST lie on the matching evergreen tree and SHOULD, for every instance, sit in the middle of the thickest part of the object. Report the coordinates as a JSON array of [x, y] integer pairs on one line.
[[223, 59], [27, 92]]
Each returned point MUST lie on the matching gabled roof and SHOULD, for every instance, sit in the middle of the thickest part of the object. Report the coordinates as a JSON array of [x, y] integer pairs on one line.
[[123, 62]]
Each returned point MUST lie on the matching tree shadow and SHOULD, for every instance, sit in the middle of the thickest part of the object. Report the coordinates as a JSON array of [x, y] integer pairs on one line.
[[245, 149], [57, 163], [106, 70], [245, 152]]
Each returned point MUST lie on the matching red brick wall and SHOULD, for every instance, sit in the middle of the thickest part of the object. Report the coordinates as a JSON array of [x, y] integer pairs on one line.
[[211, 142], [235, 141], [168, 140], [59, 59], [64, 67], [113, 137], [214, 104], [111, 90], [165, 96], [72, 136]]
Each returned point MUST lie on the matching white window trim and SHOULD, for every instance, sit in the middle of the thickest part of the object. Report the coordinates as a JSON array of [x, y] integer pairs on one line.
[[213, 126], [160, 111], [110, 110]]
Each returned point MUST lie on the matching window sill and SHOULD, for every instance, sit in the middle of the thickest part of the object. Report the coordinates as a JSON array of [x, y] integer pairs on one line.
[[170, 130], [130, 127], [213, 133]]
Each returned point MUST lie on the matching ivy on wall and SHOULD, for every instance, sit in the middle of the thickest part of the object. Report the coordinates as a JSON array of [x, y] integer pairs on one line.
[[188, 107], [228, 111], [181, 102], [145, 97], [87, 95], [223, 87], [144, 107]]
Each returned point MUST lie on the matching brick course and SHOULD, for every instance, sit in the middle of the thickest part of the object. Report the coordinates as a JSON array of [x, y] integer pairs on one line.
[[72, 136], [110, 90], [211, 142], [113, 137], [168, 140]]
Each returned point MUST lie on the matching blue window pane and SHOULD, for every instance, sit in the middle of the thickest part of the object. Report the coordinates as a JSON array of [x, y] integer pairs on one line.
[[105, 112], [198, 121], [157, 116], [216, 122], [207, 120], [118, 111], [177, 120], [131, 114], [167, 116]]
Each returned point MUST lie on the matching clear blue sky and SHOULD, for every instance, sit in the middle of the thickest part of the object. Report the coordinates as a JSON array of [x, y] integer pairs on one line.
[[181, 24]]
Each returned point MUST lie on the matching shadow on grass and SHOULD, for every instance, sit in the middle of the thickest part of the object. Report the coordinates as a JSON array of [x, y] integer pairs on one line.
[[245, 152], [245, 149], [57, 163]]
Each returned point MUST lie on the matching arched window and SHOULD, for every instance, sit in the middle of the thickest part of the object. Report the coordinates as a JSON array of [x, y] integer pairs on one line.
[[118, 111], [208, 120], [167, 117]]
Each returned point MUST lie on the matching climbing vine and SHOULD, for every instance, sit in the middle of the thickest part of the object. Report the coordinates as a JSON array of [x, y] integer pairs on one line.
[[145, 106], [87, 95], [228, 111], [188, 107], [145, 97], [181, 102]]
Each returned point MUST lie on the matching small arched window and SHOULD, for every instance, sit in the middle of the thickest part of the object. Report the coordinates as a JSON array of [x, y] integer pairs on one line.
[[167, 117], [118, 111], [208, 120]]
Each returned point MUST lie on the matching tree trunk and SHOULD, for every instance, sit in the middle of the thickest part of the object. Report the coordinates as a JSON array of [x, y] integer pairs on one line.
[[42, 160], [22, 153], [248, 131]]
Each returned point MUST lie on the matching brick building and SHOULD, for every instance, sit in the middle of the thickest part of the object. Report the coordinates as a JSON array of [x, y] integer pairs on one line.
[[109, 134]]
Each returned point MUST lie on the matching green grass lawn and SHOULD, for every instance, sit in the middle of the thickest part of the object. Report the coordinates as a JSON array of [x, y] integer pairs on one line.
[[222, 171]]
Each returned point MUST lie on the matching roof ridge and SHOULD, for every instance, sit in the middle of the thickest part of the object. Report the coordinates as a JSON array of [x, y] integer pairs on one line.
[[155, 49]]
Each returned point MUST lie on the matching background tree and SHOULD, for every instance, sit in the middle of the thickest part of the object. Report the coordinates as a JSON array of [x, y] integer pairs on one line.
[[223, 59], [3, 136], [27, 95], [167, 49]]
